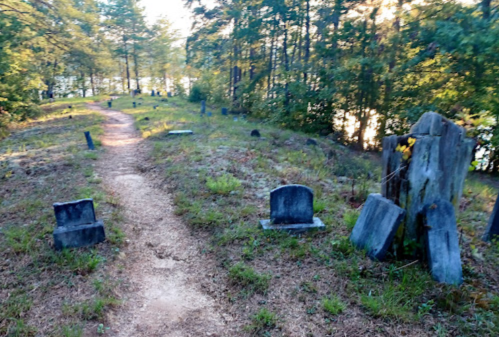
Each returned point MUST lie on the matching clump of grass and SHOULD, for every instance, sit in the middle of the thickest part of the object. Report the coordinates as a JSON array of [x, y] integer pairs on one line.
[[248, 278], [262, 320], [333, 305], [223, 184], [350, 218], [391, 303]]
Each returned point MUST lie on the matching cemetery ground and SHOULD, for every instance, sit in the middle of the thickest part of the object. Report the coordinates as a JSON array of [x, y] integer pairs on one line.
[[259, 283], [315, 284]]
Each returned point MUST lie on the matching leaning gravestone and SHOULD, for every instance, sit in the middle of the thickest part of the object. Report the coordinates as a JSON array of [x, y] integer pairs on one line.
[[376, 226], [90, 143], [429, 164], [292, 210], [203, 107], [442, 244], [493, 225], [77, 225]]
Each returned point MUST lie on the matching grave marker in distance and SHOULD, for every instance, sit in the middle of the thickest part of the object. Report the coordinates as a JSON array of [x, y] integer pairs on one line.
[[493, 225], [90, 143]]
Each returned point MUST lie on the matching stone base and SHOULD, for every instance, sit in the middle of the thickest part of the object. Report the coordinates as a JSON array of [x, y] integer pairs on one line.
[[180, 132], [79, 236], [293, 228]]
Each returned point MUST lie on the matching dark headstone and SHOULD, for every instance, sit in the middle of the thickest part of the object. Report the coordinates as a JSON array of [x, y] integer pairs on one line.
[[442, 243], [164, 100], [169, 94], [109, 104], [209, 114], [292, 209], [146, 119], [311, 141], [70, 106], [203, 107], [255, 133], [154, 107], [158, 93], [376, 226], [70, 117], [134, 104], [493, 225], [235, 119], [90, 143], [225, 111], [140, 103], [152, 93], [77, 225]]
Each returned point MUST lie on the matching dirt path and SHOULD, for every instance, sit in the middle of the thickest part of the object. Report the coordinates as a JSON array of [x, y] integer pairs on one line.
[[163, 266]]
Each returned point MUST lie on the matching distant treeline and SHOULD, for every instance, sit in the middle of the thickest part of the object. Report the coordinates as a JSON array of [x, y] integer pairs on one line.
[[312, 64]]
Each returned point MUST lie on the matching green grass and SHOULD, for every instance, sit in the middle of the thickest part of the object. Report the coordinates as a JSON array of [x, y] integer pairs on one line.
[[223, 184], [263, 320], [247, 278], [333, 305]]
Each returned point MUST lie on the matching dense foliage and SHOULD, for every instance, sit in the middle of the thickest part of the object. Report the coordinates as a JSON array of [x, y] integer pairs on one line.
[[319, 65]]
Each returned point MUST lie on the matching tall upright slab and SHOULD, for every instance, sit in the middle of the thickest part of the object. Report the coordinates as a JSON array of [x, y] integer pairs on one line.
[[492, 230], [435, 168]]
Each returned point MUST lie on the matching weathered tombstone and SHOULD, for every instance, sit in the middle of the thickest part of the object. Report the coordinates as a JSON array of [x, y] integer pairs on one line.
[[146, 118], [169, 94], [493, 225], [255, 133], [154, 107], [109, 104], [70, 106], [203, 107], [235, 119], [180, 132], [311, 141], [429, 164], [152, 93], [77, 225], [292, 210], [225, 111], [376, 226], [134, 104], [158, 93], [442, 243], [70, 117], [90, 143], [209, 114]]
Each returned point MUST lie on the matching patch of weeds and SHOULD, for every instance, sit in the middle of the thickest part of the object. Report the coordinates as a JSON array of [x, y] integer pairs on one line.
[[91, 155], [223, 184], [263, 320], [342, 247], [19, 239], [18, 328], [390, 303], [245, 276], [72, 331], [350, 218], [78, 262], [333, 305], [319, 206]]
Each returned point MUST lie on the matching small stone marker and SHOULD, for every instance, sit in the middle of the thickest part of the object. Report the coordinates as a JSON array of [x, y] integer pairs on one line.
[[154, 107], [158, 93], [152, 93], [493, 225], [255, 133], [235, 119], [376, 226], [225, 111], [134, 104], [77, 225], [180, 132], [292, 210], [109, 104], [169, 94], [70, 106], [90, 143], [311, 141], [442, 243], [209, 114], [146, 118], [203, 107], [70, 117]]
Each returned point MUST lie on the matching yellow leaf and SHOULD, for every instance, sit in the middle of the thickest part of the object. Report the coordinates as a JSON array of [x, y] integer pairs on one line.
[[398, 148], [411, 141]]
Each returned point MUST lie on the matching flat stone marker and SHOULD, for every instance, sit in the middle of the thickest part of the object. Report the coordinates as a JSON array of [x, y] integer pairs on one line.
[[90, 143], [442, 243], [292, 210], [180, 132], [493, 225], [77, 225], [376, 226]]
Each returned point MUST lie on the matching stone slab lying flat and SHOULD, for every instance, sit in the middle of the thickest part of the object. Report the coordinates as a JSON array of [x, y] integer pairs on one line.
[[442, 243], [376, 226], [79, 236], [75, 213], [293, 228], [180, 132], [493, 225]]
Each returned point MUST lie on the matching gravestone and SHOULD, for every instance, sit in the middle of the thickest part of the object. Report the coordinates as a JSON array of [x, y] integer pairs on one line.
[[203, 107], [376, 226], [158, 93], [209, 114], [169, 94], [292, 210], [77, 225], [235, 119], [109, 104], [428, 164], [442, 243], [152, 93], [146, 118], [70, 106], [311, 141], [154, 107], [180, 132], [90, 143], [225, 111], [492, 229], [134, 104], [255, 133]]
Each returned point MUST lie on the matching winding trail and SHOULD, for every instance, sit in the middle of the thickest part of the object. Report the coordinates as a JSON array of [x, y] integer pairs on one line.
[[163, 268]]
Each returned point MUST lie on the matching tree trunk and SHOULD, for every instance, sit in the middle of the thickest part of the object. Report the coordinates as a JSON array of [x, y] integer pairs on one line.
[[127, 65], [92, 84]]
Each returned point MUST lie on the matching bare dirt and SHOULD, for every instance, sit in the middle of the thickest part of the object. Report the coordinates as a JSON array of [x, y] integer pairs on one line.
[[163, 268]]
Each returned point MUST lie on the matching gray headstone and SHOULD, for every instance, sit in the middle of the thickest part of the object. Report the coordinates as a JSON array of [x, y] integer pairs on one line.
[[209, 114], [169, 94], [235, 119], [255, 133], [442, 243], [109, 104], [225, 111], [376, 226], [203, 107], [180, 132], [153, 93], [493, 226], [292, 204], [74, 213], [311, 141]]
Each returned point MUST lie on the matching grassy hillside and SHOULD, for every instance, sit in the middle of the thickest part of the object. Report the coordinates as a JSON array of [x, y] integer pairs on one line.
[[314, 284]]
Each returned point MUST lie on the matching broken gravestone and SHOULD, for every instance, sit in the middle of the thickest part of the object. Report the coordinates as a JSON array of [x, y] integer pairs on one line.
[[441, 241], [77, 225], [292, 210], [376, 226], [493, 225], [428, 164]]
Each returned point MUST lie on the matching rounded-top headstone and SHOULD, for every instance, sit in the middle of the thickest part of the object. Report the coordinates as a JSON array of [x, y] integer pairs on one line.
[[255, 133], [311, 141], [292, 204]]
